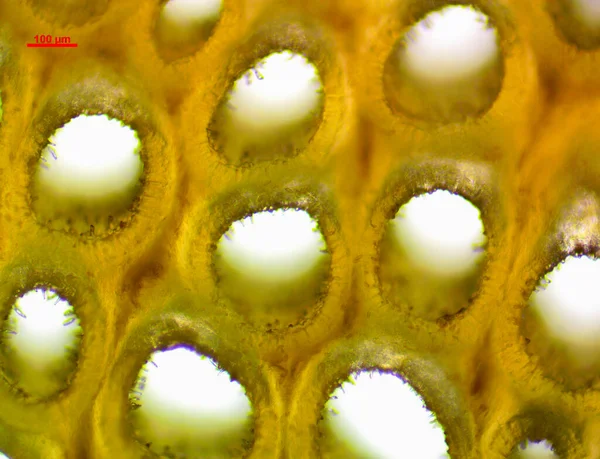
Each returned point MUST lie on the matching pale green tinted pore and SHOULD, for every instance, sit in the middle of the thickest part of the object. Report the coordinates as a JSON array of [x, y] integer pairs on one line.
[[44, 335], [379, 415], [187, 404]]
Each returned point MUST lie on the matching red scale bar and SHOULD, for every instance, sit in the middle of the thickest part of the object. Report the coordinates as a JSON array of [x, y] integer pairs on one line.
[[52, 45]]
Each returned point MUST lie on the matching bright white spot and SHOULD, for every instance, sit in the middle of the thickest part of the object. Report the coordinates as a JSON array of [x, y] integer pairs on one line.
[[588, 12], [39, 323], [280, 91], [3, 456], [535, 450], [190, 12], [570, 304], [278, 245], [450, 44], [45, 328], [439, 232], [183, 394], [92, 157], [383, 417]]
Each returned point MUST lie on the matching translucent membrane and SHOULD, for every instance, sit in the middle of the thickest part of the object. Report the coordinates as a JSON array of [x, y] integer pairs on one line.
[[186, 13], [91, 157], [453, 43], [379, 415], [273, 266], [184, 24], [282, 89], [446, 68], [534, 450], [441, 233], [272, 107], [187, 405], [568, 302], [88, 175], [588, 12], [275, 245], [577, 22], [42, 340]]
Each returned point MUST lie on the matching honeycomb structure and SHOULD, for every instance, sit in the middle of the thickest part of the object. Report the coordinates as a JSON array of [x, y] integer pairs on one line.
[[147, 280]]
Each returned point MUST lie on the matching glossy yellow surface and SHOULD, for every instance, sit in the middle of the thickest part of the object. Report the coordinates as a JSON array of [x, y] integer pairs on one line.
[[145, 280]]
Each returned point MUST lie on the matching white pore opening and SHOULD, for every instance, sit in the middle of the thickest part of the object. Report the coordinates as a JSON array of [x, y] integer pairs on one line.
[[588, 12], [186, 13], [382, 416], [450, 44], [275, 245], [43, 329], [184, 398], [91, 157], [569, 304], [440, 233], [535, 450], [280, 91]]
